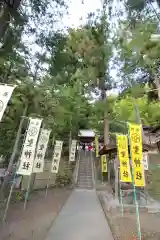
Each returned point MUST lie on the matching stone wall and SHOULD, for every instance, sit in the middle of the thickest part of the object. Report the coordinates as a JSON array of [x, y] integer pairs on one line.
[[153, 176], [40, 180]]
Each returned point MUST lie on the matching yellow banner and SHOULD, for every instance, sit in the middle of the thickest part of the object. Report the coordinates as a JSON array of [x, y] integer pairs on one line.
[[125, 172], [97, 146], [135, 131], [103, 163]]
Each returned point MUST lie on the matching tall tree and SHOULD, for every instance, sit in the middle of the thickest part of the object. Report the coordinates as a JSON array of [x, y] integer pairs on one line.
[[137, 56], [83, 57]]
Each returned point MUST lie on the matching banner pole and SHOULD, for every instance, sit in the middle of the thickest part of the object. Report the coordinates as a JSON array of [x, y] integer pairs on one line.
[[27, 192], [121, 199], [8, 201], [46, 193], [101, 169], [134, 194], [137, 207], [102, 174], [12, 186], [49, 177]]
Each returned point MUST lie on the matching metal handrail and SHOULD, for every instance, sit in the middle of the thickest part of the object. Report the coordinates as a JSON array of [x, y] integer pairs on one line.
[[75, 174]]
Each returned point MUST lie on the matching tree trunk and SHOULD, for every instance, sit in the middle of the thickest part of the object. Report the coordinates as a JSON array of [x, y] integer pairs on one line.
[[116, 177], [36, 71], [15, 148], [106, 122], [157, 83], [5, 18], [6, 13], [7, 73], [106, 130]]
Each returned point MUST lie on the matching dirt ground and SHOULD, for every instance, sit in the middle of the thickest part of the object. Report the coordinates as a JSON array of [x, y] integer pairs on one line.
[[39, 216], [125, 227]]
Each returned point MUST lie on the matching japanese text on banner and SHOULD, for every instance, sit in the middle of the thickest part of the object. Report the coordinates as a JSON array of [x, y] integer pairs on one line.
[[96, 146], [122, 145], [28, 151], [145, 161], [41, 150], [5, 95], [72, 151], [56, 156], [135, 131], [103, 163]]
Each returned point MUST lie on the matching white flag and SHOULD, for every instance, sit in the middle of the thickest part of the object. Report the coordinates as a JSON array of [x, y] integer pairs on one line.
[[28, 150], [56, 156], [72, 151], [41, 150], [145, 161], [5, 95]]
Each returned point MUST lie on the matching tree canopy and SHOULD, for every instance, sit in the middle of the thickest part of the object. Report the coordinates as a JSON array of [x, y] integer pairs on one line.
[[69, 72]]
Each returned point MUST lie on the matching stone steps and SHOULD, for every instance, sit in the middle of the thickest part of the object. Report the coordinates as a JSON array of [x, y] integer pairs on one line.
[[84, 179]]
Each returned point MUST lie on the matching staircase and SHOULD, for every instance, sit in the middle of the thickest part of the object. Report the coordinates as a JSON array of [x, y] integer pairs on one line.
[[85, 176]]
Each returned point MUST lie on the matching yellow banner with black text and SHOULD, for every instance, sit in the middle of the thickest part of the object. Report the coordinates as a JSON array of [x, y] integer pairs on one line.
[[135, 132], [96, 146], [123, 155], [103, 163]]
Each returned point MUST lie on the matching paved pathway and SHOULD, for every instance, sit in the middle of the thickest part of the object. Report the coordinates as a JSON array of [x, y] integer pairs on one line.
[[81, 218]]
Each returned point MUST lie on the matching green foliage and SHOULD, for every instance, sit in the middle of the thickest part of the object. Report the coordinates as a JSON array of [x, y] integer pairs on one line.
[[140, 5], [149, 113], [61, 111], [121, 110], [63, 180], [78, 67], [79, 56], [19, 196], [137, 55]]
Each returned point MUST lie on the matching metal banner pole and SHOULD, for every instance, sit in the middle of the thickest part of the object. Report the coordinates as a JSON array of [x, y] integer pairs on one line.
[[27, 192], [134, 193], [49, 177], [101, 169], [102, 173], [121, 201], [48, 180], [12, 187], [137, 207], [8, 201]]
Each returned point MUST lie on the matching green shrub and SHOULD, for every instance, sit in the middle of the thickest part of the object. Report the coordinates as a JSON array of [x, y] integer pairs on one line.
[[63, 180]]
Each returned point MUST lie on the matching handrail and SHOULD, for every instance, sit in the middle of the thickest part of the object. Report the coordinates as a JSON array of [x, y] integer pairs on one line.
[[93, 169], [78, 160], [75, 173]]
